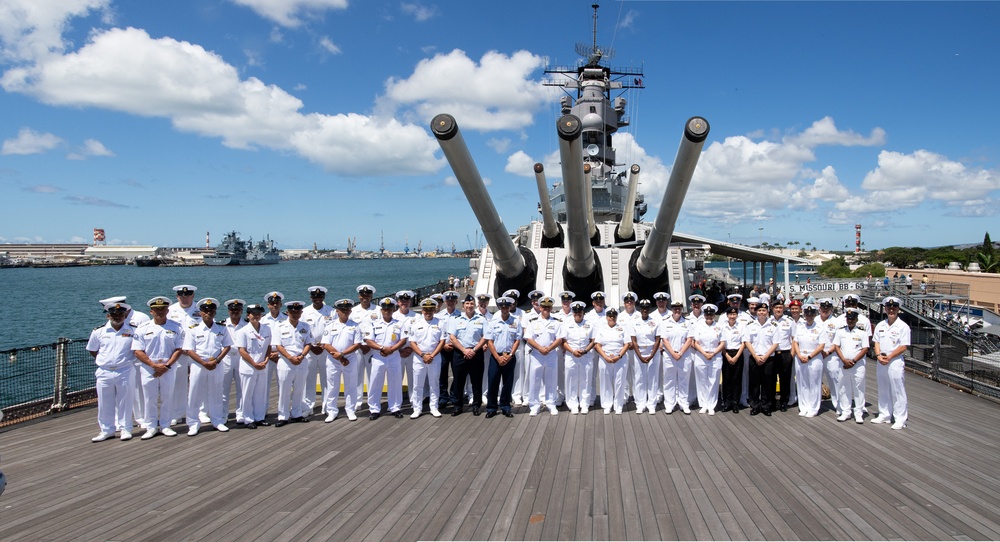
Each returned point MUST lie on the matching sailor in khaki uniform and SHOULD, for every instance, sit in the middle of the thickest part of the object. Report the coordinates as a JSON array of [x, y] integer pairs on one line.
[[293, 342], [207, 344], [158, 346], [342, 341], [111, 346]]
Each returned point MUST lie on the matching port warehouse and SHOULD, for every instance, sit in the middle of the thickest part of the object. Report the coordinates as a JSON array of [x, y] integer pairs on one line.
[[77, 251]]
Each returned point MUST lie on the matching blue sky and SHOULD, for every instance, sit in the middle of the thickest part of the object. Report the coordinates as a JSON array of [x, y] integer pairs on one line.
[[307, 119]]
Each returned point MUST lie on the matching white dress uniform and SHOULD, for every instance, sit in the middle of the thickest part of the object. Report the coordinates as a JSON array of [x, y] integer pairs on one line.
[[676, 373], [406, 362], [614, 375], [186, 317], [522, 384], [426, 335], [317, 319], [579, 371], [646, 376], [206, 385], [793, 393], [272, 368], [231, 369], [810, 375], [851, 342], [833, 368], [253, 404], [293, 383], [596, 319], [743, 319], [543, 368], [137, 320], [626, 319], [384, 368], [360, 316], [341, 335], [891, 390], [707, 370], [115, 375], [159, 343]]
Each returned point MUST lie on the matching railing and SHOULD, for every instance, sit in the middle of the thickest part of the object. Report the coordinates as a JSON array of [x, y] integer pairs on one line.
[[950, 358], [39, 380]]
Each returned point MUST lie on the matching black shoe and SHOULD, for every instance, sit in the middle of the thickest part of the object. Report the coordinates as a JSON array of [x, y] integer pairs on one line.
[[251, 425], [397, 414], [373, 416], [262, 423], [725, 408], [475, 411], [767, 412], [301, 419], [280, 423], [736, 409], [783, 408], [508, 414], [754, 412], [456, 412], [490, 414]]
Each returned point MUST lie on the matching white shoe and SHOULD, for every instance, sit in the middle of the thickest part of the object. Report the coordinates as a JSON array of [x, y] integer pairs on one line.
[[150, 433], [617, 411], [330, 416], [173, 421], [702, 410], [711, 412], [436, 413], [584, 409], [203, 418], [802, 412], [844, 417], [810, 415], [168, 432], [859, 419], [126, 435], [222, 428], [192, 431], [898, 425], [358, 405], [687, 410], [533, 412], [574, 410], [554, 411], [607, 411], [102, 436], [880, 419], [652, 410], [415, 415], [352, 416], [640, 410]]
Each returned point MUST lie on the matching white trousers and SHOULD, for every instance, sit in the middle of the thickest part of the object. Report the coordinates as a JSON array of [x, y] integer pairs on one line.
[[363, 364], [406, 362], [614, 379], [426, 376], [178, 403], [138, 404], [114, 398], [337, 372], [157, 394], [579, 373], [676, 381], [833, 368], [519, 391], [646, 382], [542, 371], [854, 388], [270, 378], [205, 392], [810, 382], [292, 388], [230, 377], [382, 371], [891, 391], [315, 366], [253, 404], [706, 375]]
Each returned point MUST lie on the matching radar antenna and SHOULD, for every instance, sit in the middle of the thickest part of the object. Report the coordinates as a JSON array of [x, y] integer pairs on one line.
[[594, 53]]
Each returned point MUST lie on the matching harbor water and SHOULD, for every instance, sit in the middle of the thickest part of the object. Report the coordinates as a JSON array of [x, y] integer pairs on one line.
[[42, 304]]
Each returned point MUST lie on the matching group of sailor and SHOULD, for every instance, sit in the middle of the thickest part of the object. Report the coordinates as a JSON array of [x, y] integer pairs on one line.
[[182, 363]]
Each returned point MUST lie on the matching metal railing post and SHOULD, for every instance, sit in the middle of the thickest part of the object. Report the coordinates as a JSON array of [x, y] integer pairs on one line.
[[59, 387], [936, 359]]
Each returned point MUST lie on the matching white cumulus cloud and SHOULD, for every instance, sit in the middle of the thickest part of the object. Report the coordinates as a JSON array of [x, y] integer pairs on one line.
[[32, 29], [29, 141], [418, 11], [825, 132], [290, 13]]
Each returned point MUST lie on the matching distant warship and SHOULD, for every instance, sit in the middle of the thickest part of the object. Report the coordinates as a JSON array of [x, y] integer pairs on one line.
[[235, 251]]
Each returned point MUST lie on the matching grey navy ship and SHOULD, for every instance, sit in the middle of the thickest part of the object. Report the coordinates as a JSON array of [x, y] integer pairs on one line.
[[233, 250]]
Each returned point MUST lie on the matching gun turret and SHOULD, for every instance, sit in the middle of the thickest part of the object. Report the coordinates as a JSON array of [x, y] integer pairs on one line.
[[552, 233], [647, 268], [582, 272], [625, 230], [516, 267]]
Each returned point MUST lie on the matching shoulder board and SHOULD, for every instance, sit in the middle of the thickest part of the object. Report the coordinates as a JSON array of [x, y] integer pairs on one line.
[[192, 326], [98, 327], [132, 325], [221, 322]]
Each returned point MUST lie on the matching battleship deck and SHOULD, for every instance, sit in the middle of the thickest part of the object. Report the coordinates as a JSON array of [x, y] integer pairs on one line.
[[565, 477]]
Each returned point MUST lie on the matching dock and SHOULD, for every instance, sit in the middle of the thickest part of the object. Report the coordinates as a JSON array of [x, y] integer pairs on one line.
[[566, 477]]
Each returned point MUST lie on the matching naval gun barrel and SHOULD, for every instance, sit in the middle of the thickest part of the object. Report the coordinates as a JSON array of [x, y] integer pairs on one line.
[[513, 270], [626, 230], [588, 183], [552, 234], [653, 257], [582, 271]]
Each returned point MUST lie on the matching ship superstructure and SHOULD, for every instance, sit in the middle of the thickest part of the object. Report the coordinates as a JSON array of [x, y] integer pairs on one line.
[[233, 250]]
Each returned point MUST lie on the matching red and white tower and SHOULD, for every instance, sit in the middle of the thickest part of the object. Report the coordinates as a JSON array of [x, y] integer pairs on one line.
[[206, 240], [857, 238], [99, 236]]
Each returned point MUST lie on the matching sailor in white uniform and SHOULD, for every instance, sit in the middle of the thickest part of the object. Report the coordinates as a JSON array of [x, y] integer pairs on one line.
[[231, 362], [111, 346], [274, 315], [832, 367], [293, 341], [522, 384], [708, 345], [597, 318], [540, 334], [426, 336], [317, 315], [405, 315], [611, 342], [385, 337], [643, 334], [136, 320], [207, 344], [185, 313], [807, 347], [851, 345], [675, 342], [577, 337], [362, 311], [891, 340], [448, 394], [254, 343], [342, 341], [158, 346], [745, 318]]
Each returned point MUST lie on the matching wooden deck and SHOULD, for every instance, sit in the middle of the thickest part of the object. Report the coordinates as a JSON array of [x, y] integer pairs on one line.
[[566, 477]]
